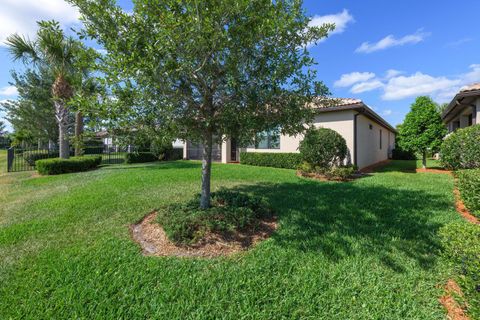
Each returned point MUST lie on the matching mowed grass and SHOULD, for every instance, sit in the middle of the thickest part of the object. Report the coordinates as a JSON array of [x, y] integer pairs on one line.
[[366, 249]]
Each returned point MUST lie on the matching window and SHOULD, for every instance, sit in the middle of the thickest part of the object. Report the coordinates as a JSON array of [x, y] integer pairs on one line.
[[380, 139], [267, 140], [470, 119]]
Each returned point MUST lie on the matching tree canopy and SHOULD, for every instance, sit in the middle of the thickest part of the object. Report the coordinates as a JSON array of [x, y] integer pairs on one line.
[[208, 70], [423, 128], [33, 110]]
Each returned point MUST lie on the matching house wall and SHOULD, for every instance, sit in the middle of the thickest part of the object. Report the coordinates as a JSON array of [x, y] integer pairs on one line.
[[477, 117], [368, 142], [341, 121]]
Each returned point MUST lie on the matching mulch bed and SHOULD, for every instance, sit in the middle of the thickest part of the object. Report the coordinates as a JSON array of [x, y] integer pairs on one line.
[[154, 242], [454, 310], [433, 171], [321, 177]]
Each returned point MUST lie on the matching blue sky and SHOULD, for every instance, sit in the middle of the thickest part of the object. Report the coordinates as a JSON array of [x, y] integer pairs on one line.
[[383, 52]]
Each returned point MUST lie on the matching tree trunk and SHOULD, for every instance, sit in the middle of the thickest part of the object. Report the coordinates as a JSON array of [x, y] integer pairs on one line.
[[78, 133], [424, 160], [206, 172], [61, 114]]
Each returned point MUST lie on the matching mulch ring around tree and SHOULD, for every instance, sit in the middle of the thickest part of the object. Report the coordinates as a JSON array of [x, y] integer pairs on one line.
[[153, 240], [321, 177]]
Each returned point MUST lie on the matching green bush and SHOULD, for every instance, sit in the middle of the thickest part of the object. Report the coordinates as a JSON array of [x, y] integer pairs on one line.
[[461, 149], [161, 149], [32, 156], [469, 187], [334, 173], [461, 243], [275, 160], [140, 157], [73, 164], [186, 223], [323, 147], [175, 154]]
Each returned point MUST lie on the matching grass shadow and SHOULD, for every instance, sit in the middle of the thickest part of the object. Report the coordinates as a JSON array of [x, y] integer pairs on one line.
[[338, 220]]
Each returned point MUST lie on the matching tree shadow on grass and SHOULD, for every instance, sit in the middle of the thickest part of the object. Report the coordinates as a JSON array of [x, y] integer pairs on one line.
[[338, 220]]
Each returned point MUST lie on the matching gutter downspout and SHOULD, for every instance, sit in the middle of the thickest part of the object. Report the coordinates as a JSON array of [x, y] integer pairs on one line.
[[355, 139]]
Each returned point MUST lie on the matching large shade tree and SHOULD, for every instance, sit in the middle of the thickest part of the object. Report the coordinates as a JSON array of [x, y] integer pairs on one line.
[[60, 53], [423, 129], [209, 70]]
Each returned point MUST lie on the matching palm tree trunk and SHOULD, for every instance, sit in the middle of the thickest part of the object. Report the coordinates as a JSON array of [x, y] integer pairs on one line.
[[206, 172], [78, 133], [61, 114]]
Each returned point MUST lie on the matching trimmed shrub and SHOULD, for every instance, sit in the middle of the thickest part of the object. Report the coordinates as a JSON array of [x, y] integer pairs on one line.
[[267, 159], [399, 154], [74, 164], [186, 223], [323, 147], [461, 243], [140, 157], [461, 149], [469, 187], [32, 156]]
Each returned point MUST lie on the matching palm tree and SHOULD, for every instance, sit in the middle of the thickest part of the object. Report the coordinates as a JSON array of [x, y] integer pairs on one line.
[[53, 49]]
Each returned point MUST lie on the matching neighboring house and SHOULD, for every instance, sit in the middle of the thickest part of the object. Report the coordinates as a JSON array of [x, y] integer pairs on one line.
[[370, 139], [464, 109]]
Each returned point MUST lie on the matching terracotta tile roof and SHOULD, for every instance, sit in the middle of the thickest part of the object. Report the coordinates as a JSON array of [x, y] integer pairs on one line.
[[336, 102], [471, 87]]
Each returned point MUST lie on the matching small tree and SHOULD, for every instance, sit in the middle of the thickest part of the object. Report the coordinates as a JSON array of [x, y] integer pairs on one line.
[[422, 129], [209, 70]]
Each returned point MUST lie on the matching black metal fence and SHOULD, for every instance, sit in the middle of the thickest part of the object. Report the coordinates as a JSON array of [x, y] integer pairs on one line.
[[23, 159]]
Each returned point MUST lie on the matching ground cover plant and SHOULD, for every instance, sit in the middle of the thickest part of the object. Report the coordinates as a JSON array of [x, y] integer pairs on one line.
[[340, 251], [186, 223]]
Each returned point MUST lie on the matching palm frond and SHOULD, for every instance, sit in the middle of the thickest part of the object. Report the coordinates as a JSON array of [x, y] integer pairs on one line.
[[22, 48]]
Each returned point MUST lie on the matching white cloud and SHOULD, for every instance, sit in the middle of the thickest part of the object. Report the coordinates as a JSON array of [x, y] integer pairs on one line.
[[458, 42], [397, 86], [20, 16], [390, 41], [348, 79], [341, 20], [417, 84], [366, 86], [392, 73], [8, 91], [387, 112]]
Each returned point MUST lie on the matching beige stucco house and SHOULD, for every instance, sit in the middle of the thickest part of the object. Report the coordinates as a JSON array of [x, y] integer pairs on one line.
[[370, 139], [464, 109]]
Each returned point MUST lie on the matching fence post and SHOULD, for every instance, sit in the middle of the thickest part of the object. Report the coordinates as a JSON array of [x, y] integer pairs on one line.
[[10, 157]]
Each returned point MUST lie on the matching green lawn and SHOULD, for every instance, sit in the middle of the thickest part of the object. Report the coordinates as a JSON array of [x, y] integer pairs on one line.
[[366, 249]]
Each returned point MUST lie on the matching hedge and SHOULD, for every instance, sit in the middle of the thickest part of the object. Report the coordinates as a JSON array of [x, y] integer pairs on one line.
[[73, 164], [469, 187], [32, 156], [323, 147], [175, 154], [140, 157], [461, 149], [267, 159], [461, 244]]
